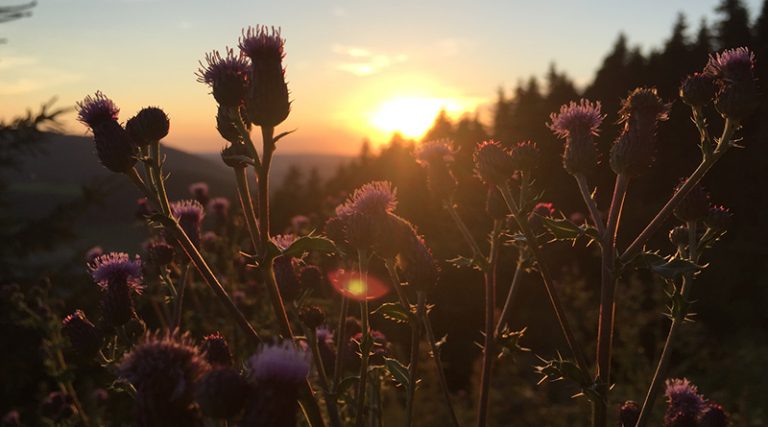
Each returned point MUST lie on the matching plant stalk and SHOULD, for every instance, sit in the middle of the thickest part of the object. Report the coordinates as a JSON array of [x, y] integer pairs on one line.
[[489, 352]]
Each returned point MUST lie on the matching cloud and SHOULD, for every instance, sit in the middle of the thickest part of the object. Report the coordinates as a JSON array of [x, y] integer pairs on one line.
[[339, 11], [8, 62], [41, 79], [364, 62]]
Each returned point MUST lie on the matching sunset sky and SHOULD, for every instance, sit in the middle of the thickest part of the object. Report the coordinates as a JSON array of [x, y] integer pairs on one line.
[[356, 69]]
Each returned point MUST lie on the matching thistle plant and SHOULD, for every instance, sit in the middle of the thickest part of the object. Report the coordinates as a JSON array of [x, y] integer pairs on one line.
[[320, 360]]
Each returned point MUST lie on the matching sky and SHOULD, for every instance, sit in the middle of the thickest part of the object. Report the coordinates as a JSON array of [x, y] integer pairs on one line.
[[356, 69]]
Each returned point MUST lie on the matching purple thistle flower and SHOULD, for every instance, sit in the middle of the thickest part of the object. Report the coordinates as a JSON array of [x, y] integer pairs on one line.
[[436, 151], [373, 198], [228, 76], [283, 241], [159, 252], [644, 105], [200, 191], [632, 152], [525, 155], [165, 370], [219, 206], [732, 65], [190, 214], [579, 118], [685, 404], [95, 110], [260, 41], [117, 267], [281, 364]]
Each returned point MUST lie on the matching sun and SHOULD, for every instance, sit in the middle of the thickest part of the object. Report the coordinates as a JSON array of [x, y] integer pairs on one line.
[[411, 116]]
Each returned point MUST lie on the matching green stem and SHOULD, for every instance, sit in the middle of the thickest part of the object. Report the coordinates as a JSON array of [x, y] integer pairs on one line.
[[330, 403], [365, 343], [340, 342], [246, 204], [489, 278], [476, 252], [180, 299], [594, 212], [157, 171], [506, 312]]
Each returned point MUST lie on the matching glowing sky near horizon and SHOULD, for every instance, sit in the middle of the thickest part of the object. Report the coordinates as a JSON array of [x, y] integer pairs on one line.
[[356, 69]]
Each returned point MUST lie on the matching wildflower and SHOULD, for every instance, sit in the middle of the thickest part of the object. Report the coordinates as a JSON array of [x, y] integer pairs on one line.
[[93, 253], [493, 164], [221, 393], [165, 369], [85, 338], [58, 406], [713, 416], [718, 218], [695, 204], [738, 101], [219, 206], [149, 125], [235, 156], [160, 253], [578, 124], [732, 65], [114, 146], [697, 90], [364, 215], [372, 198], [525, 155], [96, 110], [190, 215], [312, 316], [643, 105], [117, 267], [269, 104], [684, 403], [228, 76], [215, 348], [629, 412], [200, 191], [632, 152], [276, 372], [391, 235], [435, 156], [418, 265]]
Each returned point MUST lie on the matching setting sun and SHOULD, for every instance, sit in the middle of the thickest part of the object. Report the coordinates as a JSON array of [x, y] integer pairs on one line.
[[411, 116]]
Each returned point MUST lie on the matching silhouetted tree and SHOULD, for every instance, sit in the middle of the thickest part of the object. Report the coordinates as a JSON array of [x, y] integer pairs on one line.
[[733, 29]]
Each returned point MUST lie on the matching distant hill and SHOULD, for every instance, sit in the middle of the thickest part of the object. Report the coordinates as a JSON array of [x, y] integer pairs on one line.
[[325, 164], [69, 162]]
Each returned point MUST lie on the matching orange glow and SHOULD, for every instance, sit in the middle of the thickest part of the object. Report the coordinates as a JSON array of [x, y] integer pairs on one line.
[[411, 116], [351, 285]]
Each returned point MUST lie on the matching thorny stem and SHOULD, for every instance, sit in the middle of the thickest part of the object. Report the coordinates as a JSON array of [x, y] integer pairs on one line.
[[546, 277], [246, 203], [476, 252], [489, 352], [180, 298], [340, 342], [722, 146], [597, 219], [678, 318], [507, 310], [67, 387], [237, 120], [365, 342], [156, 168], [330, 403]]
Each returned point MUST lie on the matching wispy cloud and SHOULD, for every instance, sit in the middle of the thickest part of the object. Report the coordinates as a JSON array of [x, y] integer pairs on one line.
[[41, 79], [364, 62], [9, 62]]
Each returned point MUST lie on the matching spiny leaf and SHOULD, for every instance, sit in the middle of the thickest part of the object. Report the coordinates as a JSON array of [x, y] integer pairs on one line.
[[392, 311], [309, 243], [398, 371]]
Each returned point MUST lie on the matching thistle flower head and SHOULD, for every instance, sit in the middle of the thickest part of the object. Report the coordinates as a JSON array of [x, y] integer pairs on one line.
[[493, 163], [219, 206], [525, 155], [283, 241], [376, 197], [694, 206], [732, 65], [280, 363], [697, 90], [215, 348], [312, 316], [227, 75], [262, 41], [83, 335], [164, 368], [148, 125], [190, 214], [629, 412], [159, 252], [579, 118], [95, 110], [117, 267], [435, 151], [718, 218], [684, 401], [645, 105]]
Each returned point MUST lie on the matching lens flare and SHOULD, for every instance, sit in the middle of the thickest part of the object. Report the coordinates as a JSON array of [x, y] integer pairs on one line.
[[351, 285]]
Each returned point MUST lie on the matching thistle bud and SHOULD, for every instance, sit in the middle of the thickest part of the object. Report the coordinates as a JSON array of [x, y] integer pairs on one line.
[[85, 338], [159, 253], [312, 316], [678, 236], [542, 209], [221, 393], [151, 124], [215, 348], [718, 218], [119, 278], [435, 156], [236, 155], [190, 214], [694, 206], [713, 416], [697, 90], [268, 104], [114, 147], [641, 111], [228, 76], [219, 207], [578, 124], [684, 403], [629, 412], [390, 235], [493, 164], [525, 156], [738, 101], [419, 267]]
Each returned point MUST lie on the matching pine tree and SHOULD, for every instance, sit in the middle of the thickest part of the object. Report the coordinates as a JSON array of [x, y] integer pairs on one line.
[[733, 30]]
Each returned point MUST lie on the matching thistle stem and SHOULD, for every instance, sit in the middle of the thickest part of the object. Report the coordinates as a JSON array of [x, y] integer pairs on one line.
[[156, 168], [706, 164], [546, 278], [246, 203], [594, 212], [180, 299], [489, 278], [366, 341], [330, 403], [340, 341], [476, 252], [507, 310]]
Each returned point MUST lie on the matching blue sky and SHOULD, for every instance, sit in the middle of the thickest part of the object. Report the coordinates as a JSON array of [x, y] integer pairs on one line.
[[346, 61]]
